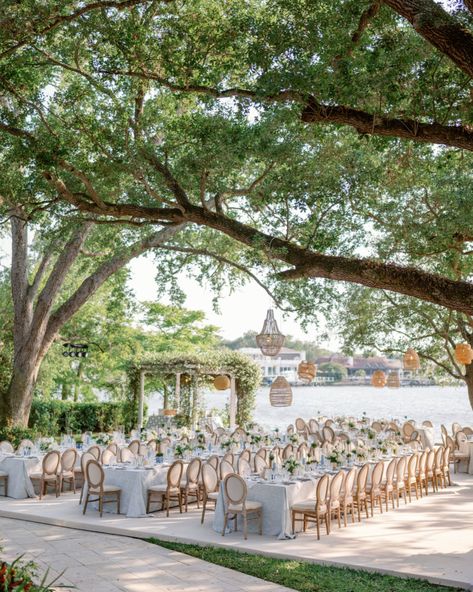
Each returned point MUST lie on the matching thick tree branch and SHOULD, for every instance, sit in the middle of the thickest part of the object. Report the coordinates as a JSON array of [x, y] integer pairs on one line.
[[39, 275], [452, 294], [92, 283], [94, 196], [366, 17], [124, 211], [281, 96], [16, 131], [457, 136], [56, 280], [171, 182], [468, 4], [439, 28]]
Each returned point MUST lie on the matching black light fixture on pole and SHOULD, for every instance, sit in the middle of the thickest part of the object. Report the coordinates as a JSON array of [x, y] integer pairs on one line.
[[77, 350]]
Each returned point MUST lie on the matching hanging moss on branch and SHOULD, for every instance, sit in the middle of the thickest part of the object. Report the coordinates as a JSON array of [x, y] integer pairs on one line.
[[203, 366]]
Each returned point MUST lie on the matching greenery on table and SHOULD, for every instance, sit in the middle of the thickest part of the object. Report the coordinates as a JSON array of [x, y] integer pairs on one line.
[[302, 575]]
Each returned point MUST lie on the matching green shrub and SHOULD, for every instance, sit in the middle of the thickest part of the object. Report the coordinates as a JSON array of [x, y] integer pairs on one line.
[[15, 435], [55, 417]]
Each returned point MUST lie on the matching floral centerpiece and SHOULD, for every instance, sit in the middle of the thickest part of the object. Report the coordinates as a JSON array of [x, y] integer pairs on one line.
[[46, 444], [335, 458], [103, 439], [181, 449], [290, 465], [255, 439], [229, 444]]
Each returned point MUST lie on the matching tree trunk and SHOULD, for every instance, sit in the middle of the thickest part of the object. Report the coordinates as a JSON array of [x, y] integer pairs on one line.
[[36, 322], [469, 382], [15, 404]]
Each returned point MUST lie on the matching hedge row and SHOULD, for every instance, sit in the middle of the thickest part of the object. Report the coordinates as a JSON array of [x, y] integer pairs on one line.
[[55, 417]]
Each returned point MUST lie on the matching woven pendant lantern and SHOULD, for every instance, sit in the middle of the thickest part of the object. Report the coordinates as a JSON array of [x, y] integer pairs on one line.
[[185, 379], [307, 371], [411, 360], [393, 380], [280, 394], [378, 379], [463, 353], [270, 340], [222, 382]]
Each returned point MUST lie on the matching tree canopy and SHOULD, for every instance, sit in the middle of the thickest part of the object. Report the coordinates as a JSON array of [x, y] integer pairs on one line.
[[302, 144]]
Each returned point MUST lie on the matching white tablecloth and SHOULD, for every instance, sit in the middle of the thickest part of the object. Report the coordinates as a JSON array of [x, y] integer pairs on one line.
[[426, 436], [134, 485], [470, 466], [19, 469], [277, 500], [466, 466]]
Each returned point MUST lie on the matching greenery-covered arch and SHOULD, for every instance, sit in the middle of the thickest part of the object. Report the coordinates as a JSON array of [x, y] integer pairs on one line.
[[203, 366]]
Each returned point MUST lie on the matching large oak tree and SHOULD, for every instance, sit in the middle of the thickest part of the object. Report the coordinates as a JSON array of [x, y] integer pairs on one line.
[[293, 130]]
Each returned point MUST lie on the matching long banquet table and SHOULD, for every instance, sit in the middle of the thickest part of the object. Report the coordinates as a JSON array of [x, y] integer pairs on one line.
[[277, 499], [134, 483], [19, 469]]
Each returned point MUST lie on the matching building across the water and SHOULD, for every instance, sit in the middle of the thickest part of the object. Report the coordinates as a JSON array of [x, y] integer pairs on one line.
[[358, 369], [358, 366], [284, 364]]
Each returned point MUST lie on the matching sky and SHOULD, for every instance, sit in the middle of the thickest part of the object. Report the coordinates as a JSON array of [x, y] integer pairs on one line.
[[243, 310]]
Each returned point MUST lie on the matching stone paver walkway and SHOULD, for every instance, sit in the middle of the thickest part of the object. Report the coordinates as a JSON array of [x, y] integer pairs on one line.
[[108, 563]]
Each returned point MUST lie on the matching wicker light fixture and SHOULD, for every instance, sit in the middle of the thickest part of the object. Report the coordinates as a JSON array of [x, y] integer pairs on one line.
[[378, 379], [280, 394], [393, 380], [411, 360], [307, 371], [222, 382], [185, 379], [463, 353], [270, 340]]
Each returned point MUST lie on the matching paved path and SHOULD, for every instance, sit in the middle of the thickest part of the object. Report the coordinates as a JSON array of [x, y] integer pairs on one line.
[[430, 538], [108, 563]]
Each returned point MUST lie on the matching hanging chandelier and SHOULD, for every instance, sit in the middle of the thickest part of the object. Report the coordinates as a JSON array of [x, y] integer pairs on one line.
[[464, 353], [280, 393], [307, 371], [411, 360], [270, 340], [393, 380], [378, 379]]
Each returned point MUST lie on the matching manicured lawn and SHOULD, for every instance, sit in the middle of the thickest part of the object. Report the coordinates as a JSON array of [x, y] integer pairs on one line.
[[303, 576]]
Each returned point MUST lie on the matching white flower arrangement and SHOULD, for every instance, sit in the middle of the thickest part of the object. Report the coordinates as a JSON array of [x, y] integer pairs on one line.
[[46, 444]]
